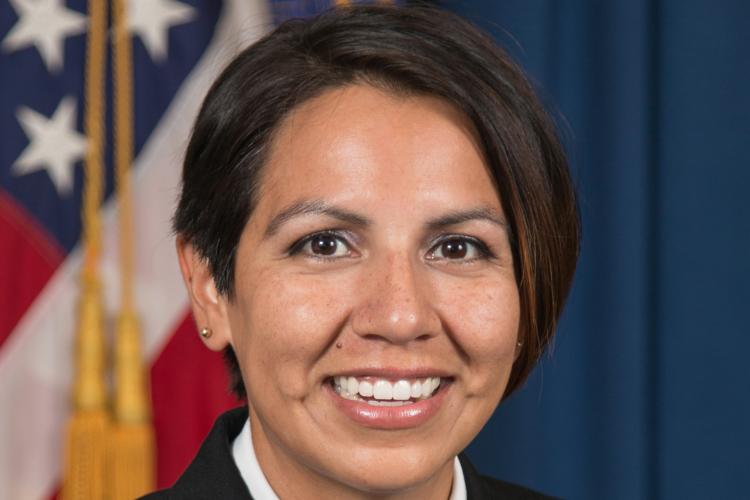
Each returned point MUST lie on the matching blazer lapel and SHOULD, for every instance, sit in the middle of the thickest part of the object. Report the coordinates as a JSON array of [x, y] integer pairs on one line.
[[213, 473]]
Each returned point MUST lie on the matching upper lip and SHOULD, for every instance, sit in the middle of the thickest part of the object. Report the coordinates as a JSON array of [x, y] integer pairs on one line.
[[393, 373]]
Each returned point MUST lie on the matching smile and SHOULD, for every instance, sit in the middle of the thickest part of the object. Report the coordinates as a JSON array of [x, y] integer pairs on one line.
[[383, 392], [387, 401]]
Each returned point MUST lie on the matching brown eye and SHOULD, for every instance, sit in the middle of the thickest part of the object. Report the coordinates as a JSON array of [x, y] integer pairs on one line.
[[459, 248], [454, 249], [324, 244]]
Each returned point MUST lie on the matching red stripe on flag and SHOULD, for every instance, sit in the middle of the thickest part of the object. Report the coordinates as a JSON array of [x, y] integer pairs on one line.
[[28, 259], [189, 388]]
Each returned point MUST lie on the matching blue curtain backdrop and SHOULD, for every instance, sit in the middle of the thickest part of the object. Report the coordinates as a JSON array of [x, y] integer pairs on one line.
[[647, 391]]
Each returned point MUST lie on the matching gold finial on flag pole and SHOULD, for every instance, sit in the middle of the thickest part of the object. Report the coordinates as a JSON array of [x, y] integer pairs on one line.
[[131, 457], [85, 440]]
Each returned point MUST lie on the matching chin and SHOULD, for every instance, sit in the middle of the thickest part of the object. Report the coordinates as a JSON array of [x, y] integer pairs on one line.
[[391, 470]]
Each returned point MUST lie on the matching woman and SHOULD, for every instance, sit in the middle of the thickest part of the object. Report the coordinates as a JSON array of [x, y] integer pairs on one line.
[[377, 226]]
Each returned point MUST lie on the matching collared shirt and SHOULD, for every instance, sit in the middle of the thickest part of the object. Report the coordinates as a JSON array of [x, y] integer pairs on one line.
[[244, 456]]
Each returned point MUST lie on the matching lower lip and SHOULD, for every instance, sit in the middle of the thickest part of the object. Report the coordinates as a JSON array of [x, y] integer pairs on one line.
[[390, 417]]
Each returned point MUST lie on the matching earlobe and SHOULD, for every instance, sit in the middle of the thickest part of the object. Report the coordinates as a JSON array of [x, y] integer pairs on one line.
[[209, 307]]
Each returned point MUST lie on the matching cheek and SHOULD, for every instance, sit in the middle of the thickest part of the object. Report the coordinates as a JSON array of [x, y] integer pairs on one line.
[[286, 325], [485, 325]]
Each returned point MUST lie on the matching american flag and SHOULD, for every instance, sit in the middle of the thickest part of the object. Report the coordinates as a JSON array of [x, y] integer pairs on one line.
[[179, 46]]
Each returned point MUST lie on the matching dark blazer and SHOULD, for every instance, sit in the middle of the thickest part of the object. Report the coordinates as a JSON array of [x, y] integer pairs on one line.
[[213, 473]]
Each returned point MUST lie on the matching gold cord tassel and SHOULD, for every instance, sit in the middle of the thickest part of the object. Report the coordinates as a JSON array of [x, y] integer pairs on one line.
[[131, 457], [85, 441], [85, 448]]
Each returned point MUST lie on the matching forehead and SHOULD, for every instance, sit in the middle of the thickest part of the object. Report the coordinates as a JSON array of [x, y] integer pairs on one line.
[[361, 144]]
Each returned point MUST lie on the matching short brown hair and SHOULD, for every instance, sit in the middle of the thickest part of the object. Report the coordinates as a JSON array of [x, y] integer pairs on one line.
[[404, 50]]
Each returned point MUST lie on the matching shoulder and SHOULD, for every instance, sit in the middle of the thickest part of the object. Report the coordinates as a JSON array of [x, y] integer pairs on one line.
[[479, 487], [213, 472]]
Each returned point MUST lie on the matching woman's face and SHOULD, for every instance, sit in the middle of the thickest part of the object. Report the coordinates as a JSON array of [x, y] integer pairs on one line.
[[375, 264]]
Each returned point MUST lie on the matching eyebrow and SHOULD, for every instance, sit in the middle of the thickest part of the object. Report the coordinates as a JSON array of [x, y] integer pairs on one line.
[[314, 207], [461, 216], [320, 207]]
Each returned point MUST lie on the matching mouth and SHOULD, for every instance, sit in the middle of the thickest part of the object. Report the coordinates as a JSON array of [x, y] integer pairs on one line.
[[389, 403], [383, 392]]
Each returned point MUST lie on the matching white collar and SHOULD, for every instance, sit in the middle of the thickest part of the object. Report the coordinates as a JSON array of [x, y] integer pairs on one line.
[[244, 456]]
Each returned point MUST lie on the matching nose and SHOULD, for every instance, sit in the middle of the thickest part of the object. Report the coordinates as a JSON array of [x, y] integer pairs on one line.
[[396, 302]]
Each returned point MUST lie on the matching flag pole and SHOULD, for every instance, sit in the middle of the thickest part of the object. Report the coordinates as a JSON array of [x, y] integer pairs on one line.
[[131, 457], [85, 448]]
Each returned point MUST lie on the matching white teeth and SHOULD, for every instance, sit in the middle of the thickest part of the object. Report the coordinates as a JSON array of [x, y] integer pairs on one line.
[[416, 389], [382, 390], [365, 389], [426, 387], [401, 390], [340, 383], [352, 385]]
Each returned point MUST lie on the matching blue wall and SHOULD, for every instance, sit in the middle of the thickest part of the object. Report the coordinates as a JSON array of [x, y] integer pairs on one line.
[[647, 391]]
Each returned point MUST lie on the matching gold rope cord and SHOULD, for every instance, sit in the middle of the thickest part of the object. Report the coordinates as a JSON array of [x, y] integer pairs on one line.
[[131, 457], [123, 136], [85, 450]]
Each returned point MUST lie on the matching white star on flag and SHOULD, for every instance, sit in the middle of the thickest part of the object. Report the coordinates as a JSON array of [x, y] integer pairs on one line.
[[54, 144], [151, 20], [44, 24]]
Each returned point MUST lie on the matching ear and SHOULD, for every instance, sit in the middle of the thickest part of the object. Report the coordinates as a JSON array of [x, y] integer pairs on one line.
[[209, 307]]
